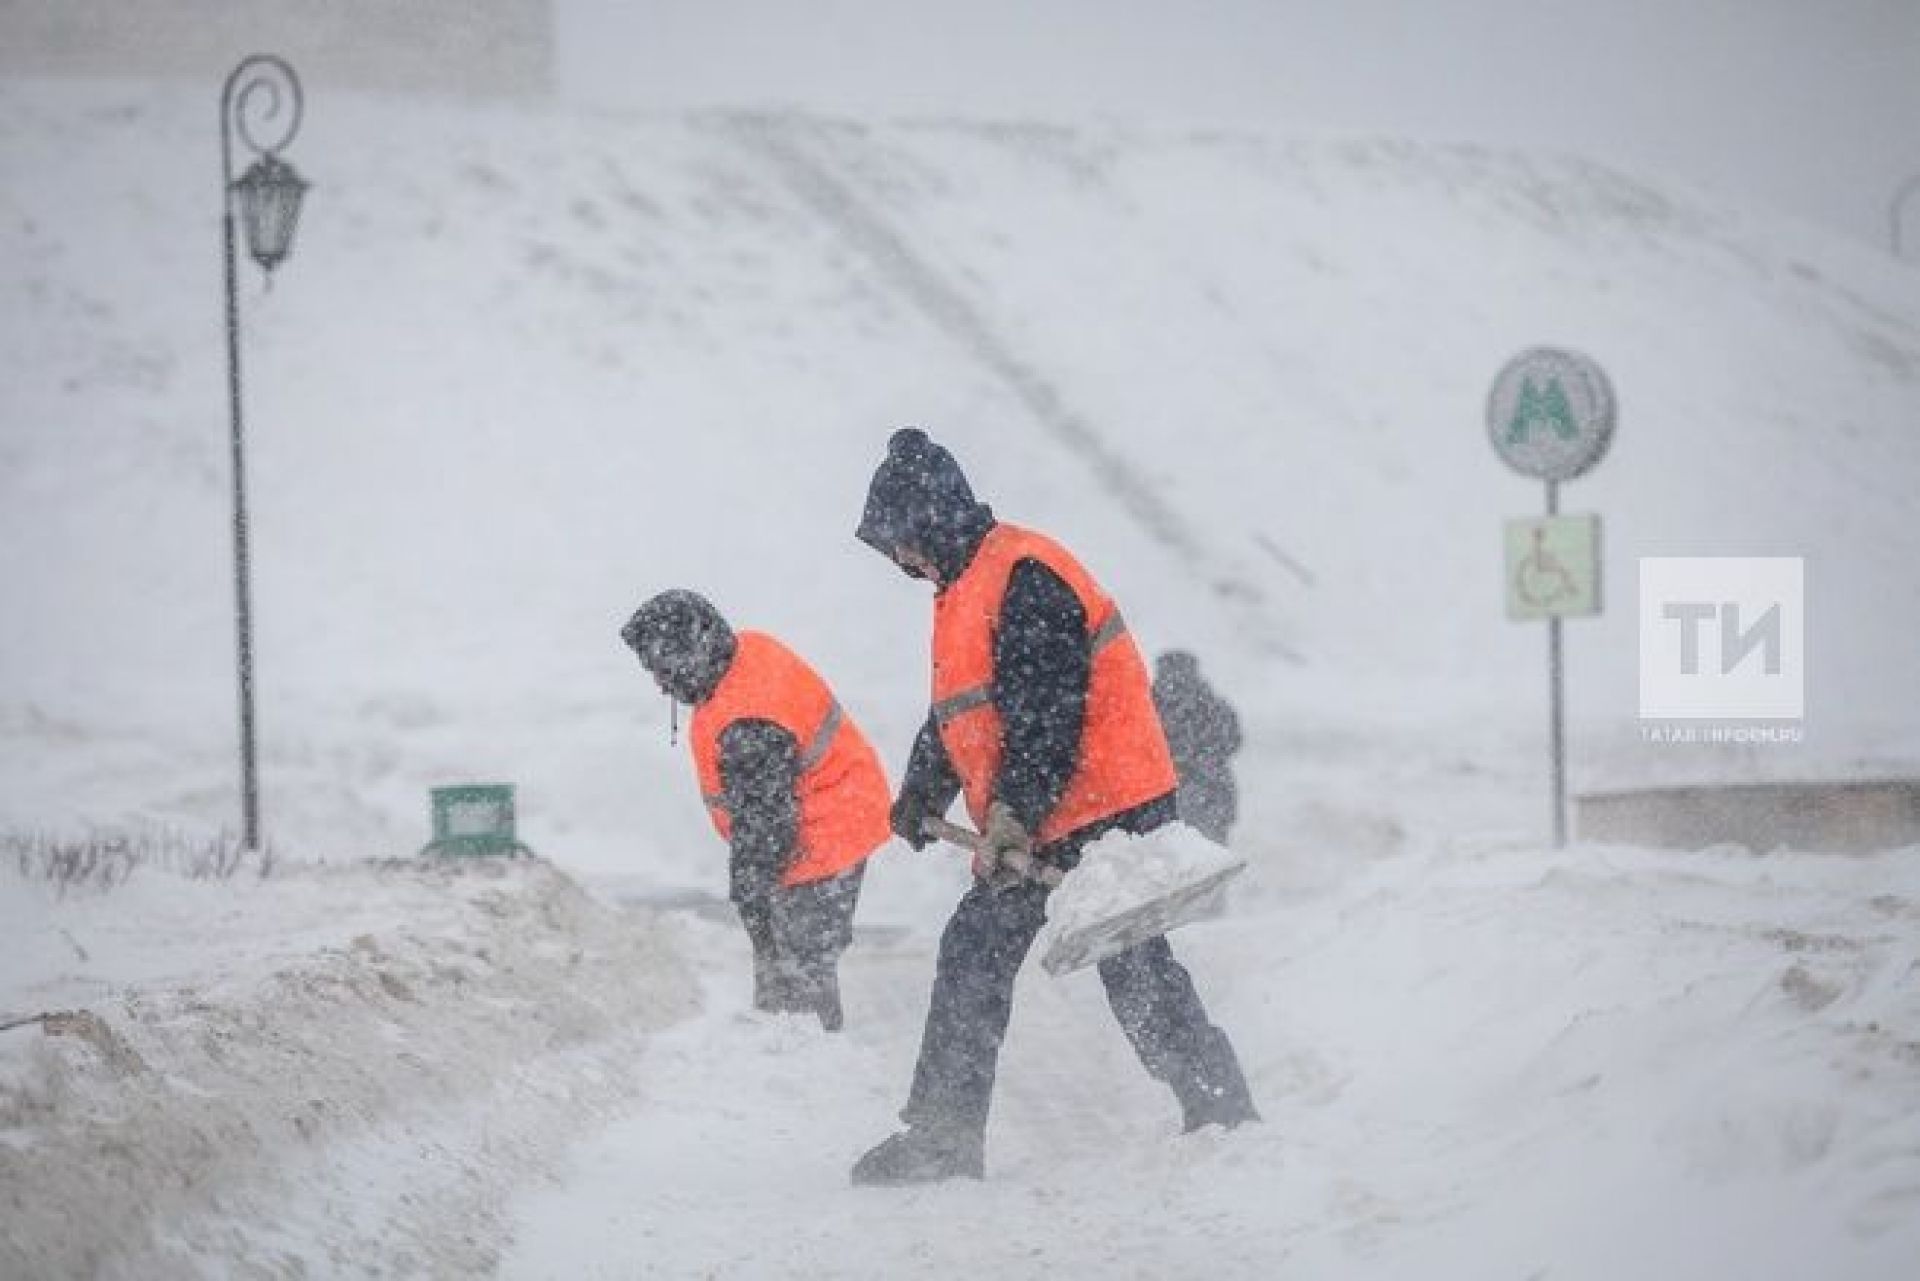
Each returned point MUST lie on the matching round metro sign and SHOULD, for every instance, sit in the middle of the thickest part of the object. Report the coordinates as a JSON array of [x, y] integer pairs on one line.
[[1551, 414]]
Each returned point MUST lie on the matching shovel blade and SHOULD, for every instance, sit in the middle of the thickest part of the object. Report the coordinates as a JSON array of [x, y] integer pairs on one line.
[[1129, 889]]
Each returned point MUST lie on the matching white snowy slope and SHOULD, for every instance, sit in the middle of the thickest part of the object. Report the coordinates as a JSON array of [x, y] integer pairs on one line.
[[525, 368]]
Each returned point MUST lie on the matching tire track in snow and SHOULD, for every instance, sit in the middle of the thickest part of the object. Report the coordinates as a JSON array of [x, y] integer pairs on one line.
[[868, 231]]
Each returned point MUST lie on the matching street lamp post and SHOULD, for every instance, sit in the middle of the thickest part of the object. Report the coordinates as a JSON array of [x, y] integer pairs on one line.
[[262, 90]]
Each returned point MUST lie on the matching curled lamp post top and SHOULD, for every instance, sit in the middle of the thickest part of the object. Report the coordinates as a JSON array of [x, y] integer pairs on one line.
[[263, 93], [241, 105]]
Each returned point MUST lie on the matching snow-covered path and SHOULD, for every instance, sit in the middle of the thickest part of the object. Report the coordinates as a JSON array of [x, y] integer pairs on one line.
[[738, 1165], [1605, 1064], [1473, 1062]]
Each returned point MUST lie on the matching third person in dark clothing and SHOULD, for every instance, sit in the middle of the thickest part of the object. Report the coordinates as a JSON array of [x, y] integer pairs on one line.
[[1043, 719], [1203, 733]]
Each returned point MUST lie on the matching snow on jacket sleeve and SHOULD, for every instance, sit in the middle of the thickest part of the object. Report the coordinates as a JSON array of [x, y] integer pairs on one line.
[[1042, 666], [928, 788], [759, 768]]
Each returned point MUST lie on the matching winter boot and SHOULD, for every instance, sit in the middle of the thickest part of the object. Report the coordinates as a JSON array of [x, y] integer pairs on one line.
[[1215, 1092], [922, 1154], [827, 1005], [820, 995], [772, 978], [772, 988], [1227, 1111]]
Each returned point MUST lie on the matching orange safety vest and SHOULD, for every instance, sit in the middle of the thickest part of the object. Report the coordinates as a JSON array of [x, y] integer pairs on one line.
[[842, 791], [1124, 761]]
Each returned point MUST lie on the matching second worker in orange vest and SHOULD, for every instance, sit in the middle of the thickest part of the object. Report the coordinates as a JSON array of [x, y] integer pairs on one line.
[[791, 785], [1043, 718]]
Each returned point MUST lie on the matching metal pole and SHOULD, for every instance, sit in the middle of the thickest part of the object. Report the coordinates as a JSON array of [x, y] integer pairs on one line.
[[1556, 681], [242, 565], [260, 74]]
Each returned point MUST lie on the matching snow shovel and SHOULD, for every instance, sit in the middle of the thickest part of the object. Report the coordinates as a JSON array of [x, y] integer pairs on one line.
[[1126, 889]]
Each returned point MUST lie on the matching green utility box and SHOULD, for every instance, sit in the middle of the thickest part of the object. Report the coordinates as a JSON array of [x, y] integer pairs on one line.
[[474, 818]]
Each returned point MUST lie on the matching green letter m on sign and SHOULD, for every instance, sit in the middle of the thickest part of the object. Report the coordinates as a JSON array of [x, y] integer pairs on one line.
[[1538, 409]]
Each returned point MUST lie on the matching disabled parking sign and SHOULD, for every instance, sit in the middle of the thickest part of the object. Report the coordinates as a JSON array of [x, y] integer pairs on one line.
[[1553, 567]]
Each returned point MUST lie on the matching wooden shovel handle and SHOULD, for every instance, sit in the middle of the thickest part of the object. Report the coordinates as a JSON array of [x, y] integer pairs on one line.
[[1023, 865], [954, 834]]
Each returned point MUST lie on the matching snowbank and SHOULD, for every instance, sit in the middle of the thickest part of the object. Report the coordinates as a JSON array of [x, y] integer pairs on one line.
[[340, 1069]]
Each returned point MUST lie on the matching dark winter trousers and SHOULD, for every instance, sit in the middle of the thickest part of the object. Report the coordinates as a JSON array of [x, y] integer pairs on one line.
[[798, 934], [1150, 992], [813, 923]]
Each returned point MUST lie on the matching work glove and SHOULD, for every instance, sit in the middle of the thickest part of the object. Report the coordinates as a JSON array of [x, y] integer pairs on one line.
[[1009, 845], [1006, 834], [905, 818]]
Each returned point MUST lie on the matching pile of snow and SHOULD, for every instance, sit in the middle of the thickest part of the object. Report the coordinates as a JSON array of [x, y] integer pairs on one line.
[[1119, 875], [1590, 1065], [333, 1069]]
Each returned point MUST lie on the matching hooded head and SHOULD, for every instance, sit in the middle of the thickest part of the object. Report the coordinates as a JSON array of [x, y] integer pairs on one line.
[[683, 642], [921, 513]]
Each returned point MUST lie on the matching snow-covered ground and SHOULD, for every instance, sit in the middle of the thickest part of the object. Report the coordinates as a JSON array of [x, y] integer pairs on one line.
[[1597, 1064], [333, 1071], [525, 368], [1603, 1064]]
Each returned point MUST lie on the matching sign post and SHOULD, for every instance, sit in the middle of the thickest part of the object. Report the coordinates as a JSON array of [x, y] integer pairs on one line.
[[1551, 416]]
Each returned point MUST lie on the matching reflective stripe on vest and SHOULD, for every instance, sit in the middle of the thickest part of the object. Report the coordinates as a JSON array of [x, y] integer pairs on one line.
[[815, 753], [981, 695], [840, 788], [823, 737]]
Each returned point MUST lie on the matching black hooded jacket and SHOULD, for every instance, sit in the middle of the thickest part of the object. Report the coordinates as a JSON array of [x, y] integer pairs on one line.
[[920, 502]]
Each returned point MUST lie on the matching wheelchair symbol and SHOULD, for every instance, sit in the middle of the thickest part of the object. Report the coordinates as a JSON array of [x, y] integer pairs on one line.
[[1540, 580]]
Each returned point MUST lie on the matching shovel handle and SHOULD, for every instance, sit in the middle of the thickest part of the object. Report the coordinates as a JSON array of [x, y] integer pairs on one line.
[[954, 834], [1023, 865]]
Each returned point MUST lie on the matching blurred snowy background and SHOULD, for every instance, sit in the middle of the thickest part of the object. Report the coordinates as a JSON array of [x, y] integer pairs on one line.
[[1213, 295]]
